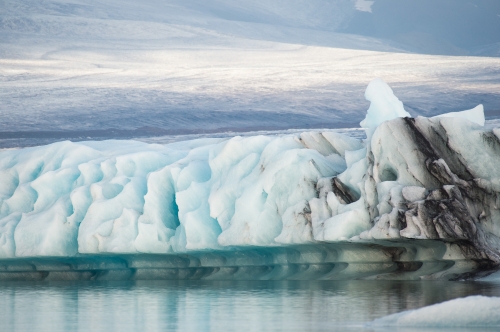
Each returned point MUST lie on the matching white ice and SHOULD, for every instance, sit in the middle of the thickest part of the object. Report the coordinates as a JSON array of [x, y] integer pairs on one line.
[[468, 312], [384, 105], [112, 196], [475, 115]]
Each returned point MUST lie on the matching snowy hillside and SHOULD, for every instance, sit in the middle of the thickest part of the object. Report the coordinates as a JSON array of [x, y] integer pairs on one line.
[[76, 68]]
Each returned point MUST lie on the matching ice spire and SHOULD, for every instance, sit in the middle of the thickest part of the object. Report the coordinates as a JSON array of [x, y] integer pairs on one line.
[[384, 106]]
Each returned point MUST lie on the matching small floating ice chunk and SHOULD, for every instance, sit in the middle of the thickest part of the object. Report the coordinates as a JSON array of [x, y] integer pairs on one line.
[[472, 311], [384, 105], [475, 115]]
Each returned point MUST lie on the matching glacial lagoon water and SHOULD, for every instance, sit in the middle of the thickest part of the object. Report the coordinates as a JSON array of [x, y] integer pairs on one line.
[[220, 305]]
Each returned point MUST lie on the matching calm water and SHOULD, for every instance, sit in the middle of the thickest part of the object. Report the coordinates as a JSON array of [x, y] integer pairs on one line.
[[221, 305]]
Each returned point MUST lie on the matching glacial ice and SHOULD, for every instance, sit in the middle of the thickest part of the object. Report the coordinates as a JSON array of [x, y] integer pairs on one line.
[[475, 115], [384, 105], [419, 198], [472, 311]]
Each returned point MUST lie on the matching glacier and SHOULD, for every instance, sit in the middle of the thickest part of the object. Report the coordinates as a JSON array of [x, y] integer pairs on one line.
[[419, 198], [100, 69]]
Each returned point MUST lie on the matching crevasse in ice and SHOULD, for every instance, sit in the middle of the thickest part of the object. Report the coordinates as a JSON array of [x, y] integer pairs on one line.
[[420, 179]]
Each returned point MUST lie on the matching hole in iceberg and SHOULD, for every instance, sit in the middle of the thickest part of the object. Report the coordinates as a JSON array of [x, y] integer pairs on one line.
[[388, 174]]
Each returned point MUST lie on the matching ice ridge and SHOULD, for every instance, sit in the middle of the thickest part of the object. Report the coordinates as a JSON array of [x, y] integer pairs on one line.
[[424, 192]]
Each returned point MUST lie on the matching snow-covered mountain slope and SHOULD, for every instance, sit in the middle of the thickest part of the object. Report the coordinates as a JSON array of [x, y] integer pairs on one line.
[[417, 199], [190, 66]]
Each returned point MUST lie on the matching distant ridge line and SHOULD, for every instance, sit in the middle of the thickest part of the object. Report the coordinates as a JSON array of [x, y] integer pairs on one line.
[[154, 131]]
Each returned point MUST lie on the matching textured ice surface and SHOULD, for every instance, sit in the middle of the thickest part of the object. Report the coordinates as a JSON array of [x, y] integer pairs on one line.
[[472, 311], [418, 198], [115, 196]]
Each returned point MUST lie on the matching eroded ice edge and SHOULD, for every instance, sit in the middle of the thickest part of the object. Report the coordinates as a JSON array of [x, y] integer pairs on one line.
[[419, 198]]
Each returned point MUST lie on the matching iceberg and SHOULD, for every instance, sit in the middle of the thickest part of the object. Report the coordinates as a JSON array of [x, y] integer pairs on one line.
[[419, 198]]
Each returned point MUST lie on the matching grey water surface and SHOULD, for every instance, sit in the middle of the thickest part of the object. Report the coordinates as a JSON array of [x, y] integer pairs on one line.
[[220, 305]]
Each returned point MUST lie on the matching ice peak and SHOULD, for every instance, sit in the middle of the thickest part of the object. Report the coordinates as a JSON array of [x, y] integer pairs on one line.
[[384, 105], [475, 115]]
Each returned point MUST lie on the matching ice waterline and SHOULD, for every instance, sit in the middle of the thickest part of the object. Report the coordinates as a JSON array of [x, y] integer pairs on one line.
[[419, 198]]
